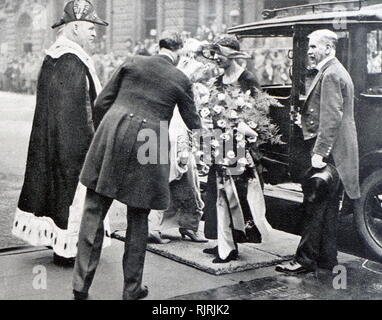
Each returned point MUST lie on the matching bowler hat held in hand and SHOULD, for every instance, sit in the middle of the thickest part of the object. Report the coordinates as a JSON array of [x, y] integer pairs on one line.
[[318, 183]]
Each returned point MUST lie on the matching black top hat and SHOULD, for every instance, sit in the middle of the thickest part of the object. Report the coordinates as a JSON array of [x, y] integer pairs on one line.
[[318, 183], [79, 10]]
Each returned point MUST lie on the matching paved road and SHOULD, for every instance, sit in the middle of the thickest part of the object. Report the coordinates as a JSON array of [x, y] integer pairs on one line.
[[167, 279]]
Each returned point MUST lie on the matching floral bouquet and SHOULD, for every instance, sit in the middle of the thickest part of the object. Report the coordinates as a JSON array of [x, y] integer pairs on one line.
[[229, 116]]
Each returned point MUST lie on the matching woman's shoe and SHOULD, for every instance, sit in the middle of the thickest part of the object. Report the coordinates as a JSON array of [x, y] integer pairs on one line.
[[233, 255], [192, 235], [213, 250]]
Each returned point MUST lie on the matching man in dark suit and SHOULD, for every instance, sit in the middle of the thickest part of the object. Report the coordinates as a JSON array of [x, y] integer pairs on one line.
[[331, 138], [136, 104]]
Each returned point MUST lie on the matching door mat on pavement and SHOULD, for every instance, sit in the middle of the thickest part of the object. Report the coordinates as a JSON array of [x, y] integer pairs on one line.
[[280, 247]]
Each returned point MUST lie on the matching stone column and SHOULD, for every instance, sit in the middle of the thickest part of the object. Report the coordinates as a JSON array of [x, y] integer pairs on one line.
[[124, 23], [202, 12], [50, 19], [160, 17], [139, 28], [11, 31], [109, 30], [249, 12], [181, 15], [220, 14], [259, 7]]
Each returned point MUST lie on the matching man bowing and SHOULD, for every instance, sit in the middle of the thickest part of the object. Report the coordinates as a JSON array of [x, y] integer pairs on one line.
[[136, 104]]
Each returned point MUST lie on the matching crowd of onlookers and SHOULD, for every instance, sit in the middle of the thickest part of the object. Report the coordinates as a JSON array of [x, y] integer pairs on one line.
[[271, 66], [19, 74]]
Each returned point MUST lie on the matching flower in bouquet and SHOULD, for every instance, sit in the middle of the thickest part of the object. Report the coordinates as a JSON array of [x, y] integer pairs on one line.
[[233, 115], [228, 109], [221, 96], [252, 125], [215, 143], [252, 139], [204, 99], [218, 109], [222, 124], [240, 137], [241, 144], [205, 112], [216, 153], [242, 164], [225, 136], [231, 154], [235, 93], [239, 101]]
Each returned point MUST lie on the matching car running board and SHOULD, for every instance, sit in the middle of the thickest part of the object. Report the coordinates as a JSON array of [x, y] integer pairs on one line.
[[286, 191]]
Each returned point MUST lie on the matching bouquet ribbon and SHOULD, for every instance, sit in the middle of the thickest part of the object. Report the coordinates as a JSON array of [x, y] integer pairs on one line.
[[229, 209]]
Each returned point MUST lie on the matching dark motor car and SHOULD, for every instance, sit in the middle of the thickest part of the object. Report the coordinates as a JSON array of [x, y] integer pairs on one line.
[[279, 45]]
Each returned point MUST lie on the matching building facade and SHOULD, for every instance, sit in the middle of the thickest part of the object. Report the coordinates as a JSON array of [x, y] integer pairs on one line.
[[25, 25]]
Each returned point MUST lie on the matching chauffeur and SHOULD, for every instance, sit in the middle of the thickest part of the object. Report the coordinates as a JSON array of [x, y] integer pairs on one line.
[[330, 136], [142, 93]]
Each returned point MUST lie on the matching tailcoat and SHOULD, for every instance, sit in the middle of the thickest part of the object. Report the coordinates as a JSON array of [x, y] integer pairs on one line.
[[128, 159]]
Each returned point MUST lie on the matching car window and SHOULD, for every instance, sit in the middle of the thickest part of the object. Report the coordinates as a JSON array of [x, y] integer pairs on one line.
[[374, 62], [374, 52], [271, 59]]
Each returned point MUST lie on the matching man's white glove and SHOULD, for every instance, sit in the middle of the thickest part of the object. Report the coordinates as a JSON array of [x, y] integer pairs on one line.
[[318, 162], [298, 120]]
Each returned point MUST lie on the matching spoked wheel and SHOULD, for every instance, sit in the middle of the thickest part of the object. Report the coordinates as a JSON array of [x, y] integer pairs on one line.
[[368, 213]]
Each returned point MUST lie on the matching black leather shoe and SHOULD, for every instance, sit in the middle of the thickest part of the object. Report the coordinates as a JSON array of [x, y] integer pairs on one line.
[[63, 262], [293, 267], [233, 255], [142, 294], [327, 266], [80, 295], [213, 250]]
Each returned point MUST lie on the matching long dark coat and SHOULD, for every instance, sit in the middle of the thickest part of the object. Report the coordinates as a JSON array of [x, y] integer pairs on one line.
[[61, 134], [328, 116], [141, 94]]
